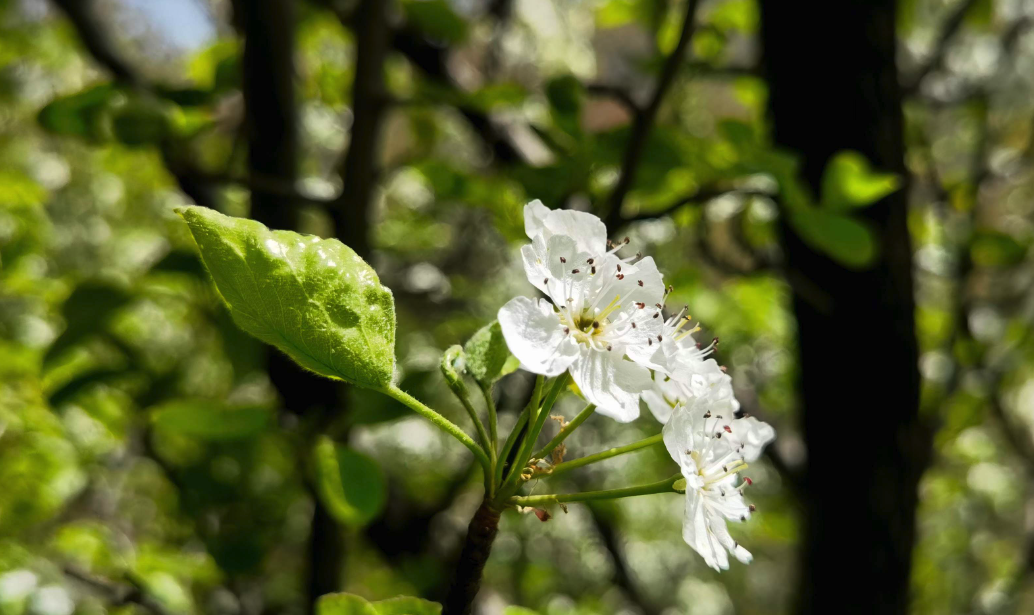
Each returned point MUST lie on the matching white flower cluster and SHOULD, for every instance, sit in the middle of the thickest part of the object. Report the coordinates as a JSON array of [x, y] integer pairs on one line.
[[604, 324]]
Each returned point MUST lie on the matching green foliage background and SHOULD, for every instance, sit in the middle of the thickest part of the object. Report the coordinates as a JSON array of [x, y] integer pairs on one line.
[[142, 444]]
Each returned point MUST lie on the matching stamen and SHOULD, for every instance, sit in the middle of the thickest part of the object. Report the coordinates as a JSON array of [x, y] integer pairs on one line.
[[590, 261], [575, 271], [563, 260], [640, 282], [621, 276]]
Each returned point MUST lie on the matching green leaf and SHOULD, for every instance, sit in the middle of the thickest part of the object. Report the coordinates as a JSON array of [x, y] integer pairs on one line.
[[518, 610], [849, 182], [141, 122], [343, 604], [350, 604], [351, 485], [407, 605], [312, 298], [86, 312], [991, 248], [488, 357], [845, 239], [436, 19], [211, 420], [69, 390], [79, 114]]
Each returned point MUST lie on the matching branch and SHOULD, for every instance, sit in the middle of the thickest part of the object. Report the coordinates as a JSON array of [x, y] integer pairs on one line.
[[118, 594], [936, 61], [644, 121], [623, 577], [616, 92], [96, 40], [359, 171]]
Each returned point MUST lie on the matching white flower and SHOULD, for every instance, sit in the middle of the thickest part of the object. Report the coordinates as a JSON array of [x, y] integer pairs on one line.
[[712, 449], [692, 378], [605, 313]]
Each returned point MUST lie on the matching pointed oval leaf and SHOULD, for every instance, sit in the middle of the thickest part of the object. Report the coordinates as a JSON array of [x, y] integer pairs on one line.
[[488, 357], [849, 182], [344, 604], [211, 420], [407, 605], [312, 298], [845, 239], [349, 483]]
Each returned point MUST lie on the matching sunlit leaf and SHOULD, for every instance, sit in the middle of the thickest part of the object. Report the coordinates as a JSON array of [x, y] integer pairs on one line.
[[350, 484], [407, 605], [849, 182], [344, 604], [350, 604], [312, 298], [843, 238], [211, 420]]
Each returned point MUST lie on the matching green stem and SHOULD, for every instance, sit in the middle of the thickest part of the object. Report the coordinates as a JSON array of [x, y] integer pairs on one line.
[[559, 384], [504, 453], [663, 486], [487, 443], [560, 468], [510, 440], [441, 422], [493, 423], [566, 431]]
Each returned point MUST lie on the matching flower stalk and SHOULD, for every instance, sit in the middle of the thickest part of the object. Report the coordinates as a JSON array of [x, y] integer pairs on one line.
[[663, 486], [566, 466]]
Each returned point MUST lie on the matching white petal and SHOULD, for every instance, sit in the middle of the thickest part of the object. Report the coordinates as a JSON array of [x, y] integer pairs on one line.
[[536, 337], [696, 532], [535, 268], [753, 435], [612, 383], [535, 218], [658, 405]]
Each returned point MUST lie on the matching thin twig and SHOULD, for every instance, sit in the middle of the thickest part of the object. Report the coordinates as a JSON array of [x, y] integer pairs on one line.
[[951, 27], [644, 121], [118, 594]]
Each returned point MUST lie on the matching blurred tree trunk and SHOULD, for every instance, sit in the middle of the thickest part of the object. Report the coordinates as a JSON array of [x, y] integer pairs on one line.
[[271, 123], [835, 86]]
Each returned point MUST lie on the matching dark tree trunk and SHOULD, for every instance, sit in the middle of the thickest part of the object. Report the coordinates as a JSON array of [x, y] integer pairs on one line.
[[272, 130], [369, 106], [834, 86]]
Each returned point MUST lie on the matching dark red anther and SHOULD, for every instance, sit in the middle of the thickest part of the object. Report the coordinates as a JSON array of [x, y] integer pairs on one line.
[[640, 282], [727, 429], [747, 480], [590, 261], [621, 276], [576, 271], [543, 515], [752, 508], [563, 260]]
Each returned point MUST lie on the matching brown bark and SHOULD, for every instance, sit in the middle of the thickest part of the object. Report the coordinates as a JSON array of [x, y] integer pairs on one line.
[[467, 580]]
